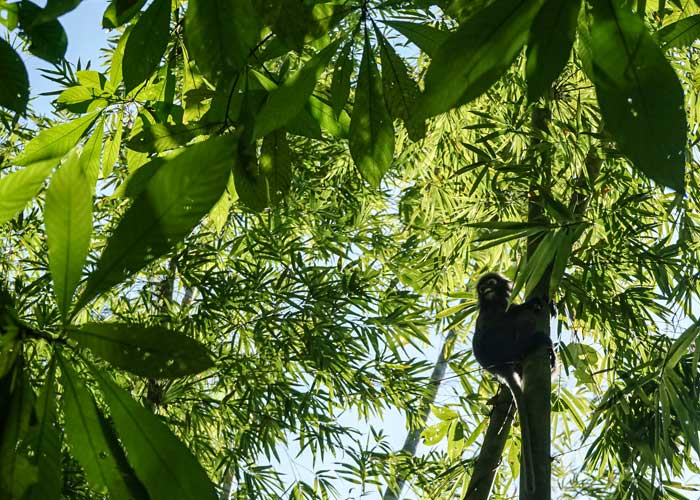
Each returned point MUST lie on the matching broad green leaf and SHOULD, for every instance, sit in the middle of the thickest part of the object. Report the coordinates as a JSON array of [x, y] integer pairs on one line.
[[371, 129], [146, 44], [178, 195], [120, 11], [163, 464], [639, 94], [79, 99], [552, 35], [14, 82], [682, 33], [472, 58], [94, 80], [47, 40], [47, 442], [54, 9], [85, 435], [342, 73], [68, 219], [287, 100], [323, 113], [115, 68], [17, 188], [113, 145], [311, 21], [434, 434], [220, 35], [455, 439], [425, 37], [162, 137], [9, 14], [443, 412], [92, 154], [400, 90], [154, 352], [263, 182], [53, 143], [17, 473]]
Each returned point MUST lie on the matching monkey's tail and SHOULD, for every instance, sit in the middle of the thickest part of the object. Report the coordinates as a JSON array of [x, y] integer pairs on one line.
[[528, 466]]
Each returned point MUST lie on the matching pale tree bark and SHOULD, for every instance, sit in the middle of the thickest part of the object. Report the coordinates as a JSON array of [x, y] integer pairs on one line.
[[410, 445]]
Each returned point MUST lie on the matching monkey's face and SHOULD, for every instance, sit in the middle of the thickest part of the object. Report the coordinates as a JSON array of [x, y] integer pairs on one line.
[[493, 287]]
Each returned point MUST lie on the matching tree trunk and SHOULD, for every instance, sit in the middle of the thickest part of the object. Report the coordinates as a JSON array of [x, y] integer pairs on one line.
[[411, 443]]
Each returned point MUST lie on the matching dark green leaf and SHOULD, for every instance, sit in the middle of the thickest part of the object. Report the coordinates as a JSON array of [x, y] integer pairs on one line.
[[147, 351], [146, 44], [162, 137], [220, 35], [287, 100], [264, 182], [14, 82], [682, 33], [371, 128], [120, 11], [400, 90], [476, 55], [54, 9], [85, 435], [163, 464], [47, 442], [68, 219], [47, 40], [178, 195], [551, 37], [342, 73], [639, 93], [17, 473], [425, 37]]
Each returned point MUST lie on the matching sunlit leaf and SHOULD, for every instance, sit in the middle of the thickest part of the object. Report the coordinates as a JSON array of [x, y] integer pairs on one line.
[[146, 44], [682, 33], [425, 37], [68, 218]]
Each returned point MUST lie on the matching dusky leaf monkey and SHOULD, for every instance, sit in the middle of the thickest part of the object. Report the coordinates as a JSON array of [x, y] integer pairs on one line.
[[504, 334]]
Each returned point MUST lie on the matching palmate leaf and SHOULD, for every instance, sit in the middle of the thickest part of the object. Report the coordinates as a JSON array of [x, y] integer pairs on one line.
[[551, 37], [425, 37], [371, 128], [639, 94], [86, 436], [146, 44], [220, 35], [163, 464], [68, 218], [472, 58], [147, 351], [14, 86], [175, 198]]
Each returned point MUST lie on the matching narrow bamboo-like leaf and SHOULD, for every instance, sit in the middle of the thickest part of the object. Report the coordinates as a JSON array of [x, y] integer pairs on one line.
[[85, 437], [146, 44], [163, 464], [112, 146], [14, 82], [264, 182], [17, 188], [68, 219], [287, 100], [551, 37], [425, 37], [639, 94], [681, 346], [682, 33], [92, 154], [340, 84], [47, 442], [400, 90], [148, 351], [51, 144], [371, 129], [472, 58], [178, 195], [220, 35]]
